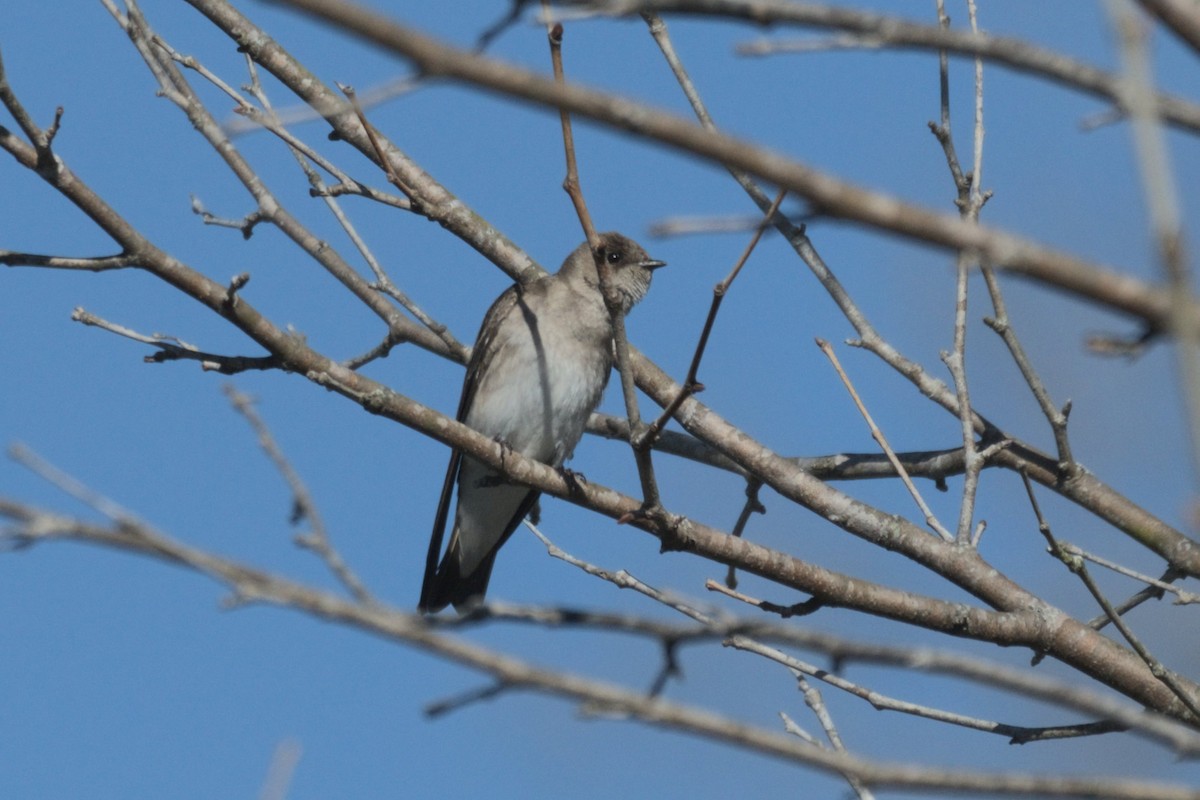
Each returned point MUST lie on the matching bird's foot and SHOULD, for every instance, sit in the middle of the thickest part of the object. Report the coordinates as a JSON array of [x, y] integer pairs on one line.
[[574, 480], [505, 448]]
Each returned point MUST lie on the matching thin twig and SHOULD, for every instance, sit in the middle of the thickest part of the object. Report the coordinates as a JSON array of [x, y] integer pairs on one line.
[[1156, 584], [440, 708], [803, 609], [752, 506], [691, 384], [11, 258], [245, 225], [1136, 599], [458, 350], [171, 348], [304, 507], [930, 518], [623, 579], [42, 140], [393, 177], [816, 703], [1076, 564], [651, 500], [970, 201]]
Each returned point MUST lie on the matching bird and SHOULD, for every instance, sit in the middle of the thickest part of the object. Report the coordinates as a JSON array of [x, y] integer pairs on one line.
[[540, 364]]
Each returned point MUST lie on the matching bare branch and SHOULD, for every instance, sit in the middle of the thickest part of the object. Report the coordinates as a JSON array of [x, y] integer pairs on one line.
[[304, 507], [1080, 486], [1179, 16], [690, 384], [1076, 565], [171, 348], [826, 194], [651, 501], [97, 264], [259, 587], [930, 519], [1162, 200], [1014, 53]]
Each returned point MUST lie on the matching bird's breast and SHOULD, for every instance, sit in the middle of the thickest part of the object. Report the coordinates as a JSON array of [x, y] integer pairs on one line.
[[542, 383]]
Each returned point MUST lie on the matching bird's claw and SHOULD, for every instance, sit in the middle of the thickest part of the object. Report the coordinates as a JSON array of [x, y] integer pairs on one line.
[[573, 479], [505, 448]]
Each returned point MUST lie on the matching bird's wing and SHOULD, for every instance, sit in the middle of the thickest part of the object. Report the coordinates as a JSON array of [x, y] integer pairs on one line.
[[481, 356]]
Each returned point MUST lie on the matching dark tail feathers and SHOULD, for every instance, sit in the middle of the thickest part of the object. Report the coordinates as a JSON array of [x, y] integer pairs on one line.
[[448, 586]]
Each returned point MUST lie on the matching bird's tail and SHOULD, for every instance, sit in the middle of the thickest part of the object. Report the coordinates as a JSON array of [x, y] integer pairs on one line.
[[448, 586]]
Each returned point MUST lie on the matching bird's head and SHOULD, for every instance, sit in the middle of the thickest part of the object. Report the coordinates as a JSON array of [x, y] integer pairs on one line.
[[629, 266]]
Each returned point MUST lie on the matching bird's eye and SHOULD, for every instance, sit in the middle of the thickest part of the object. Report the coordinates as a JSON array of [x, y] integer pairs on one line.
[[614, 257]]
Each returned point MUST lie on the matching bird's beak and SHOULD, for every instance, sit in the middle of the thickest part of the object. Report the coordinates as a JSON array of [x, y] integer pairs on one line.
[[652, 265]]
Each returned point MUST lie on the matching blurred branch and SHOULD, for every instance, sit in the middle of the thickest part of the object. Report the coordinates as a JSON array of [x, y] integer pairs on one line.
[[827, 194], [283, 767], [896, 32], [249, 585], [684, 226], [304, 507], [1162, 201], [749, 635], [1179, 16]]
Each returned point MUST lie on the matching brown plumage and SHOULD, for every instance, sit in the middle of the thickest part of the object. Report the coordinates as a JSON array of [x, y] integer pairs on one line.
[[539, 367]]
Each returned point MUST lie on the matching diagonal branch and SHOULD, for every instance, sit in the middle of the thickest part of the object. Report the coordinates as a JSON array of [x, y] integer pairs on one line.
[[252, 585], [827, 194], [894, 31], [1023, 620], [1079, 486]]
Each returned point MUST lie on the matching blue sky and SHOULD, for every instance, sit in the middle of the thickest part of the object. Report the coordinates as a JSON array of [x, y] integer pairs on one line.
[[122, 677]]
